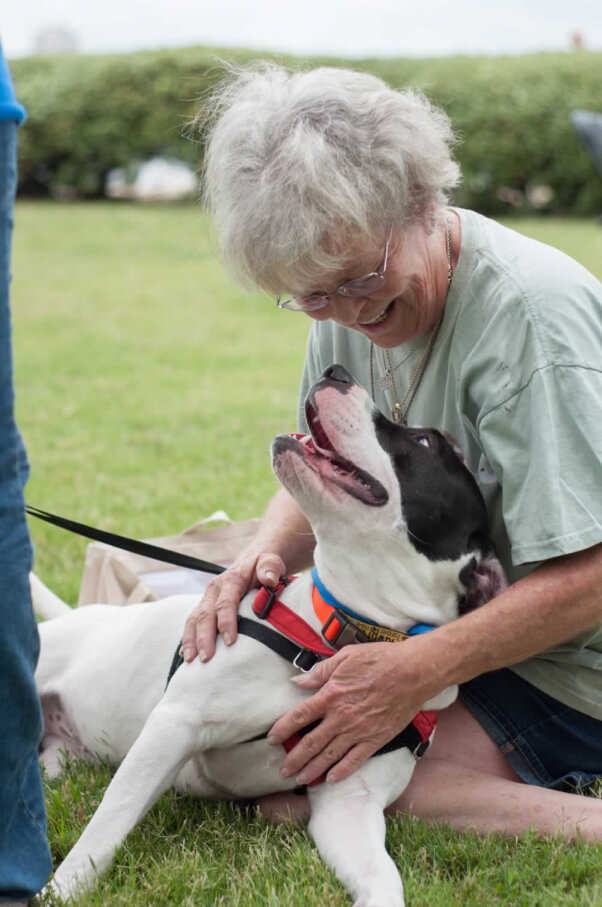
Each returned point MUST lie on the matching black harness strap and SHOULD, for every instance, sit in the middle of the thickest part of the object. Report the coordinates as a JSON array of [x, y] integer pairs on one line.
[[409, 737], [301, 658], [176, 662], [305, 659], [167, 555]]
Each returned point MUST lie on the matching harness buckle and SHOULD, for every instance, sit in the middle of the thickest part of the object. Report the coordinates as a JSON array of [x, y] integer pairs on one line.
[[419, 751], [272, 594], [305, 660], [344, 634]]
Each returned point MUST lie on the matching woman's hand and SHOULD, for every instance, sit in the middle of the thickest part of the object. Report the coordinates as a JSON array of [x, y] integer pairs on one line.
[[217, 611], [367, 695], [284, 529]]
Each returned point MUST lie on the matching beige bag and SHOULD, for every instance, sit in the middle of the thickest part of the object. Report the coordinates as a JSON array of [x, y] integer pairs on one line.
[[116, 577]]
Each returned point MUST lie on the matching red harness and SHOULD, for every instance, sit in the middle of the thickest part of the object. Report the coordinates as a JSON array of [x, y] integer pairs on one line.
[[267, 606]]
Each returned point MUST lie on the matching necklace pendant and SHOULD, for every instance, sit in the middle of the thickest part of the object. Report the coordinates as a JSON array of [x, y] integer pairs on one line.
[[397, 415], [385, 382]]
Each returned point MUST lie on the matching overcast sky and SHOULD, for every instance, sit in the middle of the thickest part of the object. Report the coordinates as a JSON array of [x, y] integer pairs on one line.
[[339, 27]]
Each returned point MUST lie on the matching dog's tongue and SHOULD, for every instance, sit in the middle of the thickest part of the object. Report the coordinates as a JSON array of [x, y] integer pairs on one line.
[[343, 473], [310, 445]]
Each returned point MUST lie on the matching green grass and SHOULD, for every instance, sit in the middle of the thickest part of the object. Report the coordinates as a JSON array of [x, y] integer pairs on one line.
[[189, 853], [149, 387]]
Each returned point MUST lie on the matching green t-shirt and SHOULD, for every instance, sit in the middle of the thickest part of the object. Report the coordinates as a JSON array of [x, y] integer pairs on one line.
[[516, 376]]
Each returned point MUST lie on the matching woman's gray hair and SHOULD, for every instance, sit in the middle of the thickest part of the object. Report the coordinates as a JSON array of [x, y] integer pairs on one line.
[[301, 166]]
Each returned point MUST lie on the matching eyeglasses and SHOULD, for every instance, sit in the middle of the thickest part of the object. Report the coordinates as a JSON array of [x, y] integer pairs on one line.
[[353, 289]]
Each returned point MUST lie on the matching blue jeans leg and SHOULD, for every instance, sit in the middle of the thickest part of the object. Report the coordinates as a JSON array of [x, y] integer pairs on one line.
[[25, 861]]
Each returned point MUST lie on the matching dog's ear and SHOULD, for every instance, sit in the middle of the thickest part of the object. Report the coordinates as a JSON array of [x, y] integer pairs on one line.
[[455, 444], [483, 580]]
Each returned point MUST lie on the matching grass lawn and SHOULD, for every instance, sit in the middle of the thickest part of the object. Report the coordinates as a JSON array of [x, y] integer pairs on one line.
[[149, 388]]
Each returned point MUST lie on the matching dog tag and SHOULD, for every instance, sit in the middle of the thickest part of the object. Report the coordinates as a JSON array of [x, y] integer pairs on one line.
[[385, 382], [397, 415]]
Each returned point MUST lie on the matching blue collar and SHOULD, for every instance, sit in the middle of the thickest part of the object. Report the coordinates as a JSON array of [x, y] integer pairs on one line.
[[331, 600]]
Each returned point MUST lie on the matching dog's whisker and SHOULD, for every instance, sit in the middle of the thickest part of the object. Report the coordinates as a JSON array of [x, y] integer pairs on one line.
[[418, 539]]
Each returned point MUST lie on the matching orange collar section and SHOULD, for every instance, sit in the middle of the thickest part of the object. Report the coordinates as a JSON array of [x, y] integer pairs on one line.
[[340, 628]]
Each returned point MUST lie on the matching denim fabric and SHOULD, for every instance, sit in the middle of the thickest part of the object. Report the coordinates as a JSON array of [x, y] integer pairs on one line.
[[24, 854], [546, 742]]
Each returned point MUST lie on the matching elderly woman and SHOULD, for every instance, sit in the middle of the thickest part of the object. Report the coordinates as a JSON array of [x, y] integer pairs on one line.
[[329, 191]]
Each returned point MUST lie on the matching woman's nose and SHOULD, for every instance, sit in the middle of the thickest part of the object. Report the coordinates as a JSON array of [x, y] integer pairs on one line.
[[343, 310]]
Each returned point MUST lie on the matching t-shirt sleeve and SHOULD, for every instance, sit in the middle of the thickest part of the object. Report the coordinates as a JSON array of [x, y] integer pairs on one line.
[[544, 444], [10, 109], [312, 371]]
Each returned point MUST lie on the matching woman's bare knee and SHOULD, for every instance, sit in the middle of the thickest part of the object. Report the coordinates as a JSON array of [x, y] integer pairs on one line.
[[459, 738]]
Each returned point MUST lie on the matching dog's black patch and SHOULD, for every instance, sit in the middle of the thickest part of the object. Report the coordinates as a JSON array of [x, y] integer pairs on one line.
[[442, 505]]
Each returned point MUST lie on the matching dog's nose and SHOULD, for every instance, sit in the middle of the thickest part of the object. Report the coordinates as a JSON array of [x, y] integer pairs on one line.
[[338, 373]]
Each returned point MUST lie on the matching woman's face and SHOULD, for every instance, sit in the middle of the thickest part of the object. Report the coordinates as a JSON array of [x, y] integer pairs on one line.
[[412, 298]]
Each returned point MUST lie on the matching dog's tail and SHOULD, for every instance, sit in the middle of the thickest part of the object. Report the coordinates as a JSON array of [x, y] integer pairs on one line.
[[46, 604]]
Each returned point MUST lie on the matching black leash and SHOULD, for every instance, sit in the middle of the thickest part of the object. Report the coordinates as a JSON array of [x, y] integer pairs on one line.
[[135, 546]]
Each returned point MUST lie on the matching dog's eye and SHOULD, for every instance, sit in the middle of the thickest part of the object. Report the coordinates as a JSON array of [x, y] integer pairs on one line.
[[424, 440]]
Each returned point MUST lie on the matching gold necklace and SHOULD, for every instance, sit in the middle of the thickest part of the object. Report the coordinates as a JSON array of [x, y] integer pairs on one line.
[[399, 410]]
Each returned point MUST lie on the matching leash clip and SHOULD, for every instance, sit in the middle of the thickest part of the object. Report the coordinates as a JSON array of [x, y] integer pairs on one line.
[[344, 634]]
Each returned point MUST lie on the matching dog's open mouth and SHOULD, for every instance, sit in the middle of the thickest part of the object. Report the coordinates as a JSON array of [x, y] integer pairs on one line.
[[320, 455]]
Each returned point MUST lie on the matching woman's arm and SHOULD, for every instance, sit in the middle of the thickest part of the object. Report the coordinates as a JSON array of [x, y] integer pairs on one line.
[[367, 694], [284, 543]]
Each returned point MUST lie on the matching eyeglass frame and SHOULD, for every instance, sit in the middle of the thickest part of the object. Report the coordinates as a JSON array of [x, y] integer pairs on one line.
[[350, 289]]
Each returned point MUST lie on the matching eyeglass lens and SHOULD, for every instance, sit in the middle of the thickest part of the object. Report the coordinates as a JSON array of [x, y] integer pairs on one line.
[[370, 283]]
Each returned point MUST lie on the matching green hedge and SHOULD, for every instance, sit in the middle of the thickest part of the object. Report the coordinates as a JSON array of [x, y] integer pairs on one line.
[[89, 114]]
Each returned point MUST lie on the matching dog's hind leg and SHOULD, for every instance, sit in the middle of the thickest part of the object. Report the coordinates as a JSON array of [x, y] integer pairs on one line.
[[60, 738], [348, 826], [166, 742]]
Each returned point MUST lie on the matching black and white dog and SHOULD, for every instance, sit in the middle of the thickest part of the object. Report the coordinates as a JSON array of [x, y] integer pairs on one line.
[[402, 539]]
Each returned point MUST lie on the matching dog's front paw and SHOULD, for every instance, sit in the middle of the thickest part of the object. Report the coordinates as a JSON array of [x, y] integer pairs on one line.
[[54, 894], [68, 884]]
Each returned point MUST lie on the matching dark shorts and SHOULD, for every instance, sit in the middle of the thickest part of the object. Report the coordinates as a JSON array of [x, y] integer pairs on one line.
[[546, 742]]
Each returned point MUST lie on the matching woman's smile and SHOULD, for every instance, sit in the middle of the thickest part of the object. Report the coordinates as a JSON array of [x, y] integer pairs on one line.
[[379, 319], [413, 297]]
